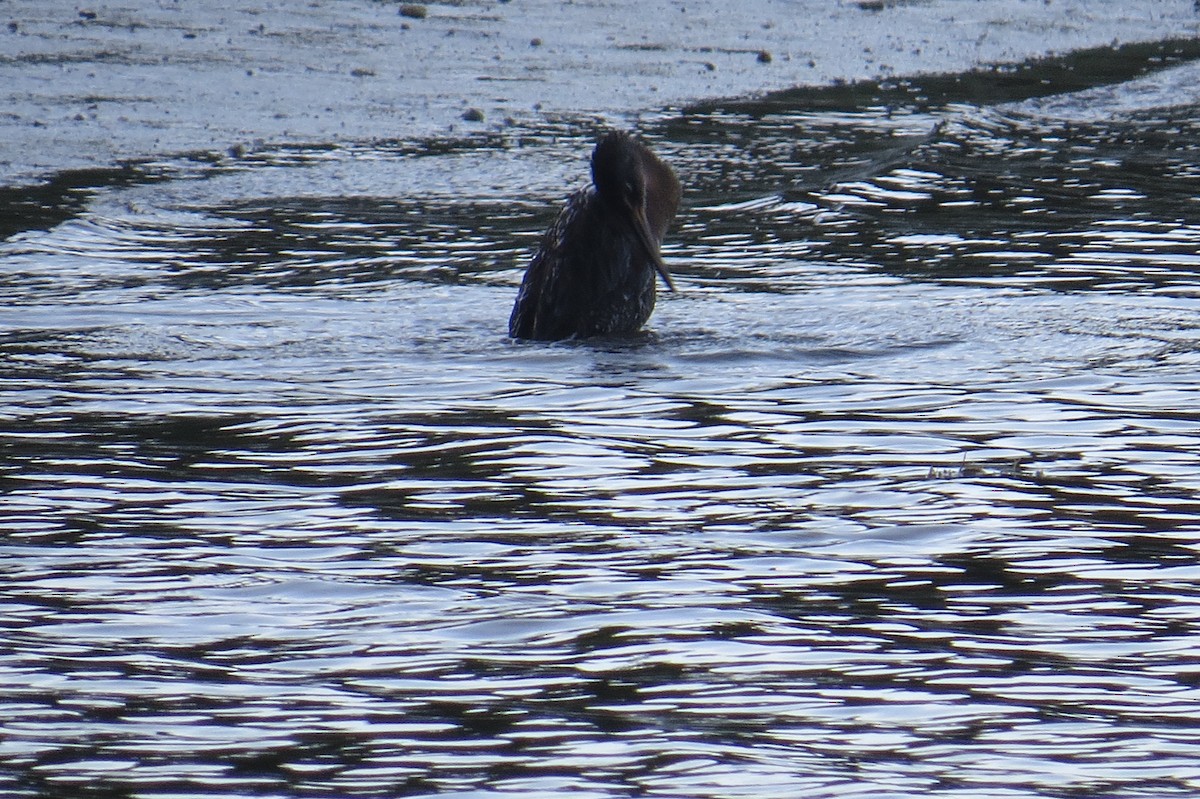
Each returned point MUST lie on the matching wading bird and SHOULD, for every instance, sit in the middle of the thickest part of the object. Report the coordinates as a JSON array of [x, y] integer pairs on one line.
[[594, 271]]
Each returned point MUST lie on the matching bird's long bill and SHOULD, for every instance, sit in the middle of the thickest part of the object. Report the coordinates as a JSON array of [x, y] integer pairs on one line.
[[642, 228]]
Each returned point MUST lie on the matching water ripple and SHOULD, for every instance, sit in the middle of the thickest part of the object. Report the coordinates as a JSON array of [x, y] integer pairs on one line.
[[897, 497]]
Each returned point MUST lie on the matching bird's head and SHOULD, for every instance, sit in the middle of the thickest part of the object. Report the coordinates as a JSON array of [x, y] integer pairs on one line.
[[620, 165]]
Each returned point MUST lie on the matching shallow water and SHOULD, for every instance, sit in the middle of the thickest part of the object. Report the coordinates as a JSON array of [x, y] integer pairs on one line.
[[897, 497]]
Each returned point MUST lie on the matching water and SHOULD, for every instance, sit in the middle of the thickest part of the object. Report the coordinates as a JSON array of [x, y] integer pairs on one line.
[[898, 496]]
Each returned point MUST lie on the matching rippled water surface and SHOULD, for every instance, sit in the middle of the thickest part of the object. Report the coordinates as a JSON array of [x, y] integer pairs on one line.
[[899, 496]]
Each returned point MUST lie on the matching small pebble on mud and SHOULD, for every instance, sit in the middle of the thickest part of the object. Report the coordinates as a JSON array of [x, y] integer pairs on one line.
[[362, 72], [535, 42], [413, 11], [473, 115], [764, 57], [12, 27]]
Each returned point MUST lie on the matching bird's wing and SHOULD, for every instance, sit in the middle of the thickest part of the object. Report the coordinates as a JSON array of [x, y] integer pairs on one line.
[[537, 312]]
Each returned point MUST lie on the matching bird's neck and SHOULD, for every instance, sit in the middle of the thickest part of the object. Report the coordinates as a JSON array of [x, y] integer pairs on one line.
[[662, 195]]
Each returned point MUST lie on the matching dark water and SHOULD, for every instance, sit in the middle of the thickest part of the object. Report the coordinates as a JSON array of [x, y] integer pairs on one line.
[[900, 497]]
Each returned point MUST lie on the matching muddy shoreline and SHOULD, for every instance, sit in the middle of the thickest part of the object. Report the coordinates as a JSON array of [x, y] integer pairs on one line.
[[95, 86]]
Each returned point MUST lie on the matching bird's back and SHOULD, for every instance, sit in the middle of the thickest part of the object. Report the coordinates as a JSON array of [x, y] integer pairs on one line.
[[587, 278]]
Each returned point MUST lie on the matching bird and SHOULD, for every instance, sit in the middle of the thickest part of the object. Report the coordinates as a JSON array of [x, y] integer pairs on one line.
[[594, 272]]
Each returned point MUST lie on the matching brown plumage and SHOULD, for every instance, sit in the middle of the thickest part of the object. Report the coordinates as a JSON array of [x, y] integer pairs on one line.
[[594, 271]]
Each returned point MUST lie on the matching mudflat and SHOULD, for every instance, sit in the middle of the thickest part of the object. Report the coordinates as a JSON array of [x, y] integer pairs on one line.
[[90, 86]]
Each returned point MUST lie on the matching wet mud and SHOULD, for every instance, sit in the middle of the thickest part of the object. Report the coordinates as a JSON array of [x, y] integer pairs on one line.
[[97, 86]]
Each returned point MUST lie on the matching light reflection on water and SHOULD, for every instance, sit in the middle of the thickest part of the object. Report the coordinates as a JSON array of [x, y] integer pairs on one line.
[[898, 497]]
